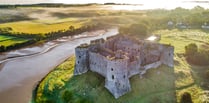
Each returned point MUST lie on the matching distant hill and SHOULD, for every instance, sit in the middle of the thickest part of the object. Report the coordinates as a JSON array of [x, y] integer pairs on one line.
[[47, 5]]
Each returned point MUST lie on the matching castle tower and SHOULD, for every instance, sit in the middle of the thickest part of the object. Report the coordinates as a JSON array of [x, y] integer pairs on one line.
[[117, 81], [167, 56], [82, 64]]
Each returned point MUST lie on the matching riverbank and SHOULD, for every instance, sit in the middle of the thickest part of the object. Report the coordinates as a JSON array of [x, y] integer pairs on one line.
[[19, 76], [45, 46]]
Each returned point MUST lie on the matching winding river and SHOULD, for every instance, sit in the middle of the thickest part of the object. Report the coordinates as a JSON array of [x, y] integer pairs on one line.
[[20, 74]]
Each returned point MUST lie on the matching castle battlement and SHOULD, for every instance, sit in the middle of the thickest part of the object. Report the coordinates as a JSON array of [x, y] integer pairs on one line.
[[119, 58], [83, 46]]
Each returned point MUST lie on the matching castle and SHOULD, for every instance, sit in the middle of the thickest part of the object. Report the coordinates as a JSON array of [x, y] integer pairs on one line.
[[119, 58]]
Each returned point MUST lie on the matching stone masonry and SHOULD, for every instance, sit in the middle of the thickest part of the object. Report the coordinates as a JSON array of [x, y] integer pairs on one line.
[[119, 58]]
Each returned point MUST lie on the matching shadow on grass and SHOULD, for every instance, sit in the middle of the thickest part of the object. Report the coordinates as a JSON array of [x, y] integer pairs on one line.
[[201, 76], [157, 85], [74, 14]]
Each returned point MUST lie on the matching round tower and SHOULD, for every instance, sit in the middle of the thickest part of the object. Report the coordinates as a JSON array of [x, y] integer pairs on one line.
[[117, 81], [82, 59]]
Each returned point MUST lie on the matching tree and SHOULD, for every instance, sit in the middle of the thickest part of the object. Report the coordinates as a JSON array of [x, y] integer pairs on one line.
[[71, 28], [191, 49], [207, 74], [2, 48], [139, 30], [186, 98], [197, 56], [197, 9], [67, 96]]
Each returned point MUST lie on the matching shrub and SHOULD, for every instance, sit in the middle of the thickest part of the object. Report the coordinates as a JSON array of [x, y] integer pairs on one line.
[[207, 74], [195, 56], [67, 96], [186, 98], [139, 30], [191, 49]]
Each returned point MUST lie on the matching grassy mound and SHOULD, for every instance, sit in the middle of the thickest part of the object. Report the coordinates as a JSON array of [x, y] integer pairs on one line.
[[157, 84]]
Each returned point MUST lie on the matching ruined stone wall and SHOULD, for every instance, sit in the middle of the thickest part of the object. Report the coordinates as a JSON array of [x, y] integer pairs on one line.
[[151, 53], [152, 65], [167, 56], [134, 66], [117, 81], [97, 63], [132, 49], [150, 58], [109, 43], [82, 58]]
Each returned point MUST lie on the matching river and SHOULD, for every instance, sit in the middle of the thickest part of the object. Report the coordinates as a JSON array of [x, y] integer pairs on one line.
[[19, 76]]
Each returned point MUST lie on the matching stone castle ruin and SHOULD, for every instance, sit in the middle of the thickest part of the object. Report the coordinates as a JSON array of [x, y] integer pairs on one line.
[[119, 58]]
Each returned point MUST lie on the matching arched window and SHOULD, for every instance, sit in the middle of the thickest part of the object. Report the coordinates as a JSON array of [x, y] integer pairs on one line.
[[124, 76], [111, 69], [78, 62]]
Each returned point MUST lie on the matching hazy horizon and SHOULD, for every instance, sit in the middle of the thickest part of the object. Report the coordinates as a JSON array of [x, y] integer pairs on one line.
[[97, 1], [147, 4]]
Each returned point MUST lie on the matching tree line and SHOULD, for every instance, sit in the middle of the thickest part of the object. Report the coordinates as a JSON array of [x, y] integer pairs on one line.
[[197, 56]]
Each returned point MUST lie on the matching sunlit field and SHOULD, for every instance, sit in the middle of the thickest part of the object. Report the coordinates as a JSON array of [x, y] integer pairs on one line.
[[43, 26], [40, 20], [189, 78]]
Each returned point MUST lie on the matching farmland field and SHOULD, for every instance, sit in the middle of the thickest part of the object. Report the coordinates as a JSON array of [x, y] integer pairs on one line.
[[10, 40], [44, 26]]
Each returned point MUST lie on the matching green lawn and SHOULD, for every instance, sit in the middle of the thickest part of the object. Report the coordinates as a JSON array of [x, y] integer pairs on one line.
[[10, 40], [4, 38]]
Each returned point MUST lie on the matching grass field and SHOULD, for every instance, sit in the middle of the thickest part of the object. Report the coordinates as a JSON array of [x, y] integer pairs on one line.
[[4, 38], [44, 26], [91, 86], [163, 85], [188, 77], [10, 40]]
